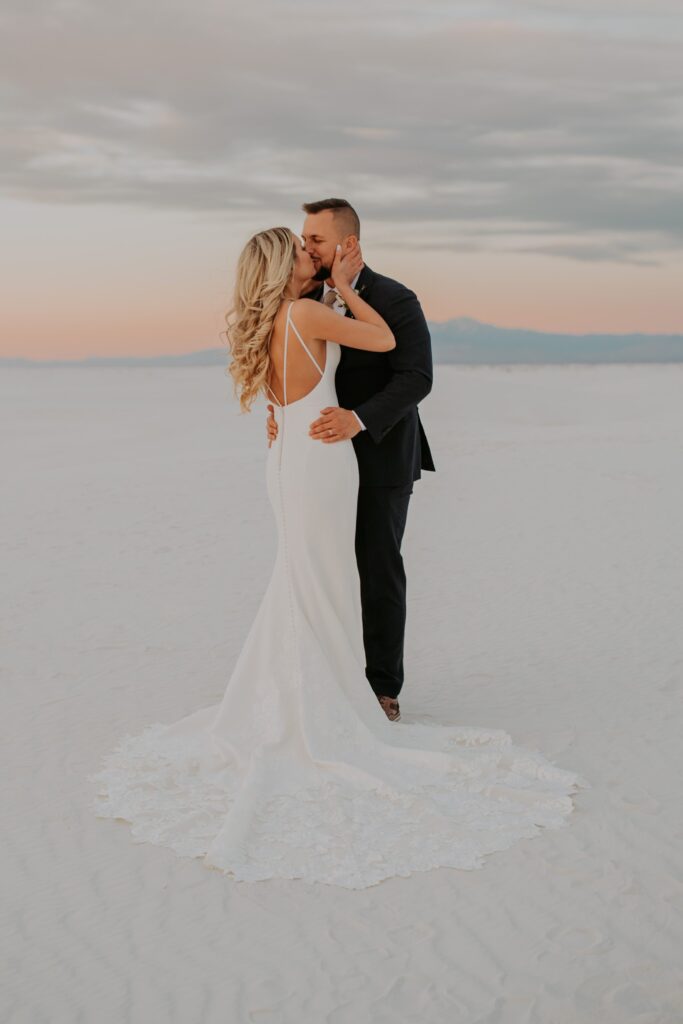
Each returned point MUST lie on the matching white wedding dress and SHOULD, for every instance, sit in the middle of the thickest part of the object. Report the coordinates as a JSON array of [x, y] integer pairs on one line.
[[298, 773]]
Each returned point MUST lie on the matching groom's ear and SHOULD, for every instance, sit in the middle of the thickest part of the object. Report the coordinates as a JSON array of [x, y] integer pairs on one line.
[[349, 242]]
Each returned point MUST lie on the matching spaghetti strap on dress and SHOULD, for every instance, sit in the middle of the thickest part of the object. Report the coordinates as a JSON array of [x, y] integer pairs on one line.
[[290, 323]]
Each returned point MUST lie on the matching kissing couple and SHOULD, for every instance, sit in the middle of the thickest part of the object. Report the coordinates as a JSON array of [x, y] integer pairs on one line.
[[304, 769]]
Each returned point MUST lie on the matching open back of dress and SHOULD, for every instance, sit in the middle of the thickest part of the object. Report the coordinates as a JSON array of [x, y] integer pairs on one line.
[[290, 323]]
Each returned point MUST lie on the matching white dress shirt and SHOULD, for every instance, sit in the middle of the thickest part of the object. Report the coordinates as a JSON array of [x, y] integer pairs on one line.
[[339, 307]]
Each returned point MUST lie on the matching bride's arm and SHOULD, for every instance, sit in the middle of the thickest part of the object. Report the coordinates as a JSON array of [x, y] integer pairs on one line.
[[321, 322], [367, 331]]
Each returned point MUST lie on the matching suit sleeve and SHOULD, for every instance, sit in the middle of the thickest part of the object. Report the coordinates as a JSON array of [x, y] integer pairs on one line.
[[411, 368]]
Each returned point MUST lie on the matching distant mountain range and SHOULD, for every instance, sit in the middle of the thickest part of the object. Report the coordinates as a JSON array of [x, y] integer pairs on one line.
[[463, 341], [469, 341]]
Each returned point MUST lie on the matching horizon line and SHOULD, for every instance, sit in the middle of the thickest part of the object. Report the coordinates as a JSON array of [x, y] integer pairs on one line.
[[432, 323]]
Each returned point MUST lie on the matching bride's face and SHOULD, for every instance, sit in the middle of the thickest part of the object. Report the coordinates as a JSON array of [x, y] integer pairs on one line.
[[304, 268]]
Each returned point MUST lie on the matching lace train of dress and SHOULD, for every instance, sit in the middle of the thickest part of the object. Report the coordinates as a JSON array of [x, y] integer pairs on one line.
[[297, 773]]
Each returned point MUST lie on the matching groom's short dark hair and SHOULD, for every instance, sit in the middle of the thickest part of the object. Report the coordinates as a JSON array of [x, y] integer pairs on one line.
[[341, 208]]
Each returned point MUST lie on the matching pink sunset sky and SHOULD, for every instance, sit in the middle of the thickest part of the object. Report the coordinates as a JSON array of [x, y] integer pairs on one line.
[[509, 162]]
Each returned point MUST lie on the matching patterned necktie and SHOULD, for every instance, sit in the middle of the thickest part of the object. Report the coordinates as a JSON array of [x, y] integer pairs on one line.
[[330, 298]]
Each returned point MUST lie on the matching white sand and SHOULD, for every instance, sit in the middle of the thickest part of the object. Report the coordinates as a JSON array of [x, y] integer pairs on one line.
[[544, 565]]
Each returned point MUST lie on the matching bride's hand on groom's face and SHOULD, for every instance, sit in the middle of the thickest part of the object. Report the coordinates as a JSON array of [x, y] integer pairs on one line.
[[346, 266]]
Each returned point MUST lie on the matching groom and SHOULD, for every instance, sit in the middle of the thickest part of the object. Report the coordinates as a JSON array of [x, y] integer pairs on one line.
[[379, 393]]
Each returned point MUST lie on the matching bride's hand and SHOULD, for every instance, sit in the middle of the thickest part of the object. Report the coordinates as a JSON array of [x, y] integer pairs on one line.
[[345, 268]]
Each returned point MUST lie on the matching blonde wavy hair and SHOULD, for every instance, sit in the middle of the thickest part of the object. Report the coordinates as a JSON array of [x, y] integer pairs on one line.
[[264, 269]]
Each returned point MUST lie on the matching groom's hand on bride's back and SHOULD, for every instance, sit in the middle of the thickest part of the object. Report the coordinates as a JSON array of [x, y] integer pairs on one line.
[[271, 425], [334, 424]]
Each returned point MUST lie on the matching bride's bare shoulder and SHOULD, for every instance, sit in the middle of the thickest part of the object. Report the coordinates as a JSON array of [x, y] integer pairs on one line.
[[305, 307]]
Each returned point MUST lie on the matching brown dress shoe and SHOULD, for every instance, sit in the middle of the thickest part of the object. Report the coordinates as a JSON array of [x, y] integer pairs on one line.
[[390, 708]]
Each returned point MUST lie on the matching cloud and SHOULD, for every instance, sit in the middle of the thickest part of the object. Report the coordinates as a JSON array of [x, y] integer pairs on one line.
[[471, 125]]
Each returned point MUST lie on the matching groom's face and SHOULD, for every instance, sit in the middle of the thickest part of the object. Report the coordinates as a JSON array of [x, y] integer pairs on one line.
[[321, 235]]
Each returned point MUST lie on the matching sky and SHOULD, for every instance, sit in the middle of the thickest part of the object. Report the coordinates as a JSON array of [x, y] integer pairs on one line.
[[516, 162]]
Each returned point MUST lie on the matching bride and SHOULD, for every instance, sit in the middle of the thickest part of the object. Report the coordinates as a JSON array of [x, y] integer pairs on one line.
[[298, 773]]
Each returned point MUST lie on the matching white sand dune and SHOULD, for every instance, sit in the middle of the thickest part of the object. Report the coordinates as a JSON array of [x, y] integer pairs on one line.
[[545, 587]]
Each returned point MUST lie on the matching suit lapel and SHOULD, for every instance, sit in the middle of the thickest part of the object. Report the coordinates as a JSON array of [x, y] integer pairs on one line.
[[363, 284]]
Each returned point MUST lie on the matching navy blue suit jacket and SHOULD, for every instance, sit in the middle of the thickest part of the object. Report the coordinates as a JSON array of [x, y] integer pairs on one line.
[[384, 388]]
